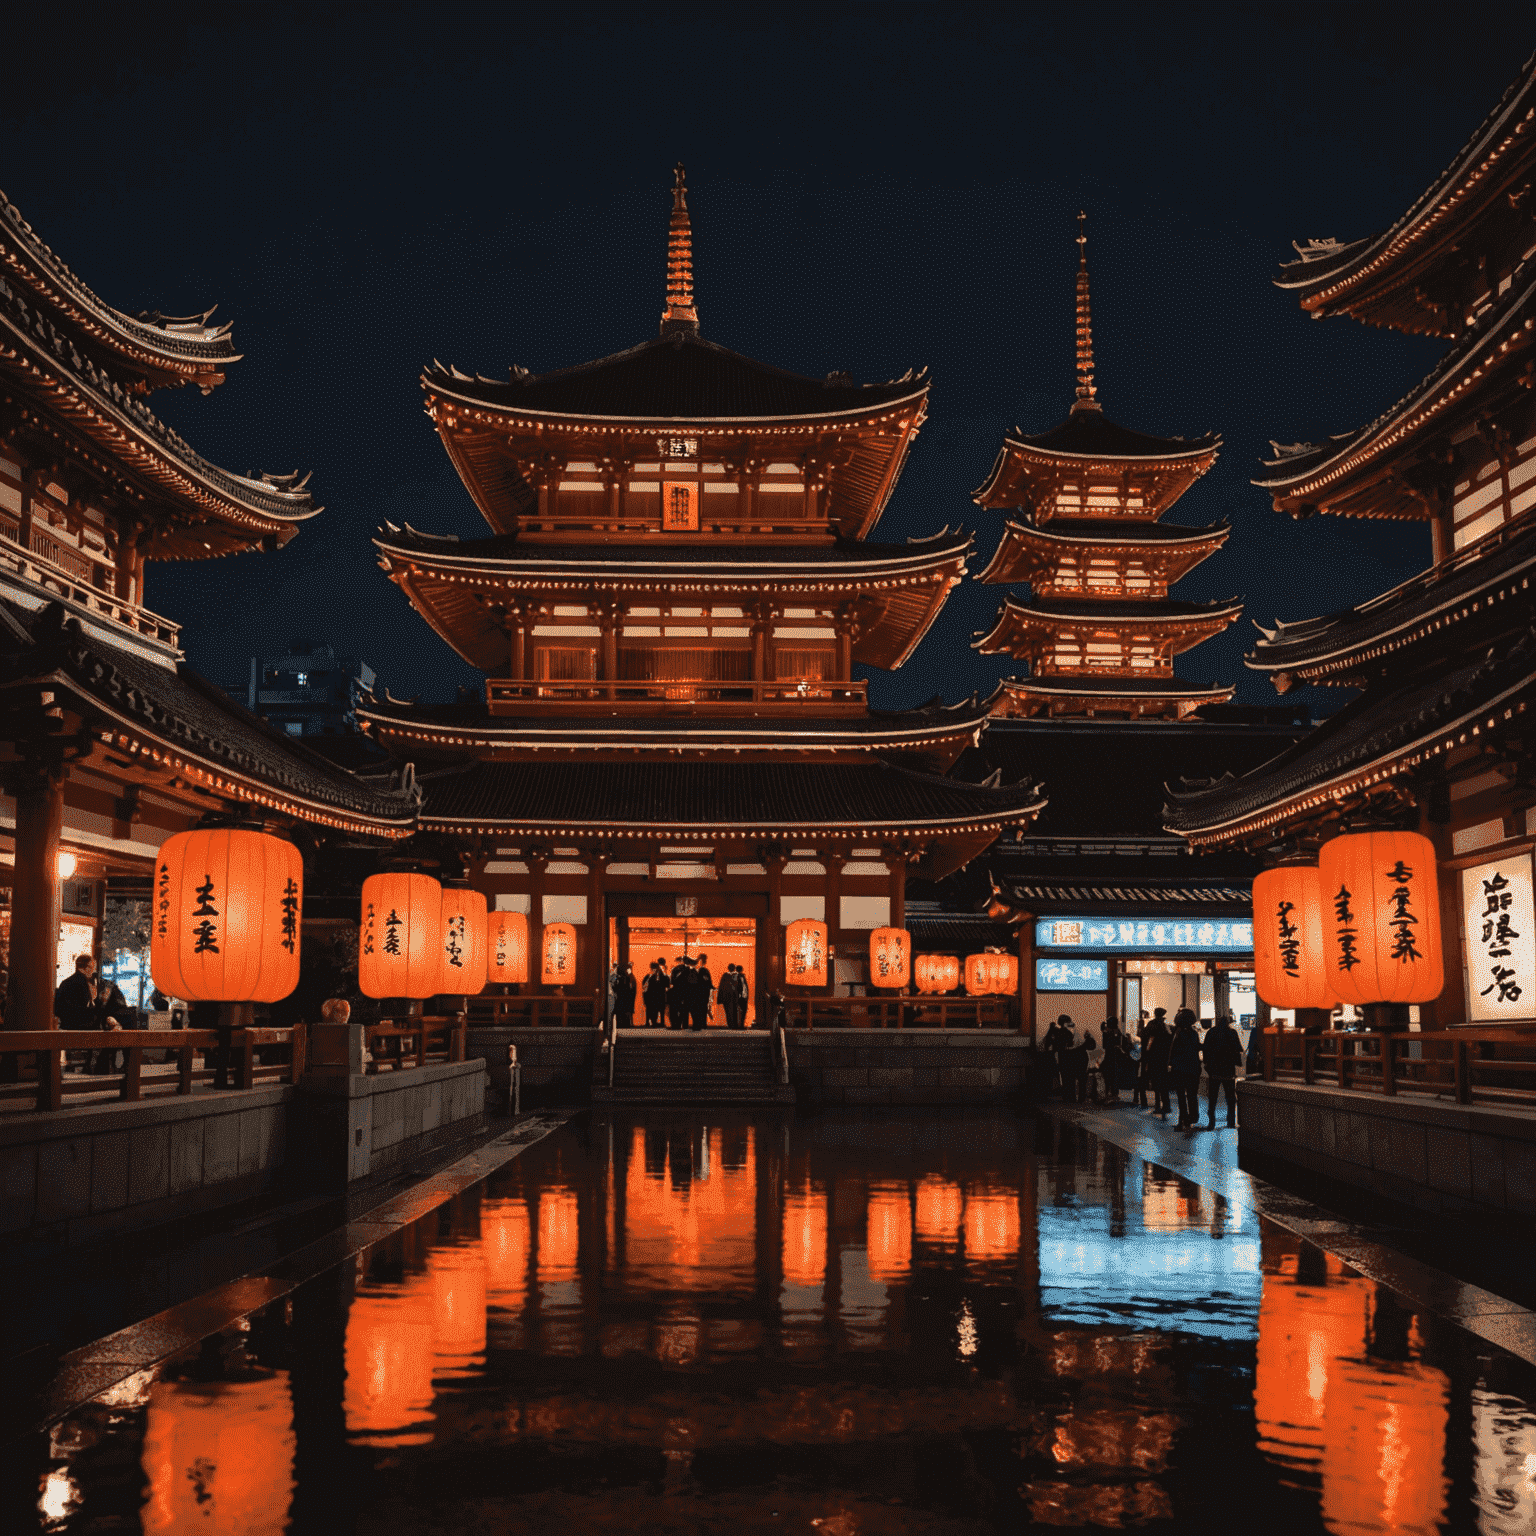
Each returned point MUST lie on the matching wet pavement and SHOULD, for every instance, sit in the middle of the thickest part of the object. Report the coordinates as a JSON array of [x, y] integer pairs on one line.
[[844, 1323]]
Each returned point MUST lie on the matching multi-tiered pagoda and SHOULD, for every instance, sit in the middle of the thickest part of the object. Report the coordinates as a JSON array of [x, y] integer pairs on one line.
[[678, 583], [1099, 631]]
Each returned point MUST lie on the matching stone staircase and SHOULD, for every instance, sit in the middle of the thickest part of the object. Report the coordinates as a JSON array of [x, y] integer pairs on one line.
[[715, 1066]]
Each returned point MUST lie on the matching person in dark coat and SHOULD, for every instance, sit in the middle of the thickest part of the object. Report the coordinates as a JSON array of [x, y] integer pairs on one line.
[[1112, 1063], [74, 1000], [1184, 1068], [624, 998], [1155, 1052], [1223, 1054], [1139, 1065], [1059, 1042], [111, 1011], [732, 997], [702, 994], [653, 993], [678, 985]]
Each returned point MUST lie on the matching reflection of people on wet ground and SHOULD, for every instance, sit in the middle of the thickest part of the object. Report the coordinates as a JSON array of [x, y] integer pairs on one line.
[[1223, 1053], [1184, 1068]]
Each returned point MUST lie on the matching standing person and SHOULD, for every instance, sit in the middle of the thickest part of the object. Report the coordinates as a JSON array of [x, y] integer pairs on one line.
[[1059, 1043], [1139, 1066], [1184, 1068], [624, 998], [677, 995], [75, 998], [729, 993], [1111, 1066], [611, 997], [1223, 1053], [111, 1011], [703, 993], [1155, 1051], [654, 994]]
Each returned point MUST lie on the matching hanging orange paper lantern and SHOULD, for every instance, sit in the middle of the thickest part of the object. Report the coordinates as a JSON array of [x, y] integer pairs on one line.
[[1381, 918], [1006, 974], [399, 946], [559, 967], [506, 948], [228, 905], [805, 953], [1288, 968], [463, 941], [890, 957], [936, 973], [985, 973]]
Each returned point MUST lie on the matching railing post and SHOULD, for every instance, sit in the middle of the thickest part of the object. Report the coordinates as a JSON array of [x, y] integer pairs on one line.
[[1388, 1067], [1267, 1056], [1308, 1058], [1463, 1074], [300, 1039], [1338, 1046], [50, 1078], [184, 1071], [133, 1059], [245, 1061]]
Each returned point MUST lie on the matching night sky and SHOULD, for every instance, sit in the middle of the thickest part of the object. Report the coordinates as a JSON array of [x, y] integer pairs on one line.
[[873, 187]]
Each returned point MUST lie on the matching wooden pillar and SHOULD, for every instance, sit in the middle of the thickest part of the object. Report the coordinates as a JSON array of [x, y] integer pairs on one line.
[[536, 866], [844, 646], [760, 620], [127, 547], [594, 959], [773, 974], [834, 863], [1452, 1006], [897, 864], [1027, 976], [35, 902], [608, 620], [517, 615]]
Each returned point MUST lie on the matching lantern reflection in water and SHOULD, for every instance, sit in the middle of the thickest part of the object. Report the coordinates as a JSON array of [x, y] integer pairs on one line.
[[218, 1456], [805, 1237], [991, 1224], [388, 1356], [458, 1306], [1374, 1431], [888, 1235], [559, 1235], [938, 1211]]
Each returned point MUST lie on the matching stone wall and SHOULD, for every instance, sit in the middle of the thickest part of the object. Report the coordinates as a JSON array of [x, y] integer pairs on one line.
[[74, 1175], [1438, 1156], [906, 1066], [556, 1063]]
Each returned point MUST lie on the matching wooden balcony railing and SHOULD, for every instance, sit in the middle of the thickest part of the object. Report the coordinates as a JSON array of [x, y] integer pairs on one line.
[[533, 1012], [227, 1053], [667, 696], [898, 1013], [73, 574], [1466, 1066], [398, 1043]]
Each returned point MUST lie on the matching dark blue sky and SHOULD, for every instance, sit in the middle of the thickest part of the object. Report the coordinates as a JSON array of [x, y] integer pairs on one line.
[[873, 187]]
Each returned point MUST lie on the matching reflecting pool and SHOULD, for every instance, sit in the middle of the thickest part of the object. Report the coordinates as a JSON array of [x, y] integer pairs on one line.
[[727, 1321]]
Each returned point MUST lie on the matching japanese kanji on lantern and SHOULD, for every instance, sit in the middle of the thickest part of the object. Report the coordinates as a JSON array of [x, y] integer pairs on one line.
[[399, 945], [890, 957], [506, 948], [1381, 918], [559, 967], [463, 940], [1289, 965], [936, 973], [227, 908], [1006, 974], [981, 973], [805, 953]]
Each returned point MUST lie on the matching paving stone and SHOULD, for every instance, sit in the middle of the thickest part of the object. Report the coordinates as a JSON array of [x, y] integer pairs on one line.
[[63, 1178], [186, 1155], [110, 1153]]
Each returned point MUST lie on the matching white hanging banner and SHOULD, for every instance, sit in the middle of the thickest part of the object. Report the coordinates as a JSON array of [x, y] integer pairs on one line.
[[1499, 926]]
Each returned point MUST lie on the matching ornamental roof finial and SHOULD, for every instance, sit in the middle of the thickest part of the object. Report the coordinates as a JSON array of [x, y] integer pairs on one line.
[[1085, 389], [679, 318]]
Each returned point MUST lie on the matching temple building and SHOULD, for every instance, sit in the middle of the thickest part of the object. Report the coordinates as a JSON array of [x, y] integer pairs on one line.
[[1109, 913], [1438, 739], [108, 741], [1084, 503], [679, 578]]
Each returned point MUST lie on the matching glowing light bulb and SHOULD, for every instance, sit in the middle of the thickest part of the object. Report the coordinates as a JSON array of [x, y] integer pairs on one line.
[[66, 864]]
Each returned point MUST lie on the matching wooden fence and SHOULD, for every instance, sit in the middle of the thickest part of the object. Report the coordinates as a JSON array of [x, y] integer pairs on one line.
[[397, 1043]]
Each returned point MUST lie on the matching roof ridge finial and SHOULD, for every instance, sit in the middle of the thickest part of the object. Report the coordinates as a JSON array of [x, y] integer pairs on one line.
[[680, 317], [1086, 393]]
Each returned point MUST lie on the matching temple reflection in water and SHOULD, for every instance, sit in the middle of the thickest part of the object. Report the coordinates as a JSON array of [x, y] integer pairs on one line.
[[875, 1324]]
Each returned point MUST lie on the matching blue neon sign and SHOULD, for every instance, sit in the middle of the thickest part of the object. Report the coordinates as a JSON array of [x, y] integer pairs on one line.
[[1154, 933], [1072, 975]]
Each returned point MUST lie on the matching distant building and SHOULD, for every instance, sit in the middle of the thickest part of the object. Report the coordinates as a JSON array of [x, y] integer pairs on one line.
[[307, 691]]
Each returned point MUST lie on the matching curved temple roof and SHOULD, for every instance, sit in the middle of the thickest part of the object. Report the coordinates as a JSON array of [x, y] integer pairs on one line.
[[1195, 621], [1028, 549], [158, 348], [95, 408], [1362, 277]]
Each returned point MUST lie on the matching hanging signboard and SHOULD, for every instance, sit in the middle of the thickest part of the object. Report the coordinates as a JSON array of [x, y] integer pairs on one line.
[[1072, 975], [1107, 933], [1499, 926]]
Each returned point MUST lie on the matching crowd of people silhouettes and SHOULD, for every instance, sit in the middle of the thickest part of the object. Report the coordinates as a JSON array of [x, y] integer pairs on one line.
[[683, 998]]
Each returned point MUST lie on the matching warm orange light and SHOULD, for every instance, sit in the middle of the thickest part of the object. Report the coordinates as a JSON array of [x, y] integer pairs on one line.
[[398, 944], [506, 948], [504, 1237], [805, 953], [991, 1224], [936, 973], [805, 1237], [388, 1356], [67, 864], [559, 948], [890, 957], [218, 1456], [1288, 968], [986, 973], [1006, 976], [1381, 917], [938, 1210], [888, 1235], [559, 1235], [228, 904], [463, 941], [458, 1305]]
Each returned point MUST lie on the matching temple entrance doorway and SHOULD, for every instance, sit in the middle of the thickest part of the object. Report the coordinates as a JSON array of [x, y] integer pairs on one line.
[[725, 940]]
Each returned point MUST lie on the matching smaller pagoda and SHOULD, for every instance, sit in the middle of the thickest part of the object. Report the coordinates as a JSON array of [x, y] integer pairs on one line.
[[1085, 502]]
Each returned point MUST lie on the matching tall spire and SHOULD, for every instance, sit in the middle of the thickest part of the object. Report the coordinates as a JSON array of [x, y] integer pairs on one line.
[[679, 318], [1085, 390]]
